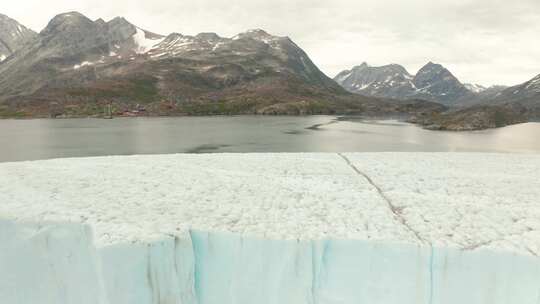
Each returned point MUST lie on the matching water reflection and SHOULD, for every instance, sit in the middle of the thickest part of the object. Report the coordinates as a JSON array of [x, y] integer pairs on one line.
[[40, 139]]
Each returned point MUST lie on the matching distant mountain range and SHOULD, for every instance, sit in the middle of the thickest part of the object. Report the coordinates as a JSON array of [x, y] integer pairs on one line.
[[78, 67], [432, 82], [472, 106], [512, 105]]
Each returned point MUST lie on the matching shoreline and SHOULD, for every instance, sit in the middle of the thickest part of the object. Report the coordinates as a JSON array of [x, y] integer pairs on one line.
[[345, 117]]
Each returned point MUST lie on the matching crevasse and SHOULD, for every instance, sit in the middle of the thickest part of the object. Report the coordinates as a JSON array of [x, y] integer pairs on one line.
[[58, 263]]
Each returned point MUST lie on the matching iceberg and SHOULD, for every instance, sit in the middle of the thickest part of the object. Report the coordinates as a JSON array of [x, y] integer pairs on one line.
[[271, 228]]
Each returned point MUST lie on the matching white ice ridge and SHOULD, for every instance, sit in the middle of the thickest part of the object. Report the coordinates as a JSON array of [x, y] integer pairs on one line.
[[272, 228], [466, 201]]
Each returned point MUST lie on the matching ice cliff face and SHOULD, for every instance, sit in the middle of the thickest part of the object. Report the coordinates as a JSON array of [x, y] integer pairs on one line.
[[272, 228], [58, 263], [49, 263]]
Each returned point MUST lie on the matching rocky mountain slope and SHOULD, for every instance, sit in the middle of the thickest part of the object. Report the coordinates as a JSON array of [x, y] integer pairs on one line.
[[526, 94], [472, 106], [80, 67], [391, 81], [504, 107], [13, 36], [432, 82], [435, 82]]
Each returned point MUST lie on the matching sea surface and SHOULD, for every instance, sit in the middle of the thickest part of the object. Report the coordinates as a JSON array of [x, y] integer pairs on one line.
[[56, 138]]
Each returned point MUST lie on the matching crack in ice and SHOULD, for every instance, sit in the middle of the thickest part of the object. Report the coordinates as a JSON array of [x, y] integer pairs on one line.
[[395, 210]]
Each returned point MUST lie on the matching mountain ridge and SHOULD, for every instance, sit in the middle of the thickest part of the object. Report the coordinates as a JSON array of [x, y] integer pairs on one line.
[[504, 106], [432, 82], [13, 36], [78, 67]]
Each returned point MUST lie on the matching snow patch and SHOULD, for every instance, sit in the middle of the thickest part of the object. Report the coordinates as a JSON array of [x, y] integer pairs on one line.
[[534, 84], [82, 64], [217, 46], [143, 43], [344, 77], [475, 88]]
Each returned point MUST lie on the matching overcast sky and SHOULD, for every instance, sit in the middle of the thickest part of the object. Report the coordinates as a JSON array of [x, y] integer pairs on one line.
[[480, 41]]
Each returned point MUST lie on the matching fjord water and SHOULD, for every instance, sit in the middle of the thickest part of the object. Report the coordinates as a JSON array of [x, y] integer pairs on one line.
[[45, 138]]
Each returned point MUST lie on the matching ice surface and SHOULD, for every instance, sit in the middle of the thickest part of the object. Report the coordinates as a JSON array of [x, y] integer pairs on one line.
[[272, 228], [467, 201]]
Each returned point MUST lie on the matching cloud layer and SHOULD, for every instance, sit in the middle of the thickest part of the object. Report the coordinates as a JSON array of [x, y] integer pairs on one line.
[[481, 41]]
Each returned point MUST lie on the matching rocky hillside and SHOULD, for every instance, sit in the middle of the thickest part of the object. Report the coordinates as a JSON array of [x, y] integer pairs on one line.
[[526, 94], [390, 81], [508, 106], [472, 106], [432, 82], [435, 82], [13, 36], [80, 67]]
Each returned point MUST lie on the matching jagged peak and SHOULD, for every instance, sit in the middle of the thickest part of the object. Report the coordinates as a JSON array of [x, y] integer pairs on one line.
[[5, 17], [73, 15], [255, 34], [123, 25], [390, 67], [66, 20], [119, 20], [174, 36], [208, 36], [7, 21], [362, 66], [100, 22], [432, 66]]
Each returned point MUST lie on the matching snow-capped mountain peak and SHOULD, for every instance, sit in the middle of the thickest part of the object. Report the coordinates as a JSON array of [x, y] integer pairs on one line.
[[254, 34], [111, 60], [384, 81], [432, 82], [177, 44], [210, 43]]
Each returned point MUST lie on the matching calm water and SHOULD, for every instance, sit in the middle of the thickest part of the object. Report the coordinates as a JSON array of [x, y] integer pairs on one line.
[[41, 139]]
